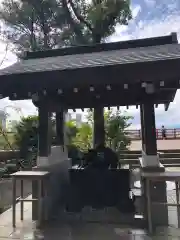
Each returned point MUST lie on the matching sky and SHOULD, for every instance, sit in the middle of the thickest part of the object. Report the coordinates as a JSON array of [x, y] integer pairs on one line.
[[150, 18]]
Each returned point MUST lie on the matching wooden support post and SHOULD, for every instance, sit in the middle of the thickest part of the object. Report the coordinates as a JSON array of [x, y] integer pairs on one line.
[[157, 189], [149, 128], [45, 134], [60, 127], [44, 149], [142, 126], [98, 130]]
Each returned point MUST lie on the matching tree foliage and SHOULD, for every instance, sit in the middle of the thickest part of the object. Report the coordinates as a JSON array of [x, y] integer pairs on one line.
[[115, 129], [92, 21], [34, 25], [25, 129], [47, 24], [26, 136], [26, 139], [71, 131], [115, 126], [83, 138]]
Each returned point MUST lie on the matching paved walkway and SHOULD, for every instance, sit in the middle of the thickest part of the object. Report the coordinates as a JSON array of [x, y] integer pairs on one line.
[[161, 144], [82, 230]]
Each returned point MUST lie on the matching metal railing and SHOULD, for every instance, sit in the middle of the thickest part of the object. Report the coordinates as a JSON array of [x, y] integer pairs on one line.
[[171, 133]]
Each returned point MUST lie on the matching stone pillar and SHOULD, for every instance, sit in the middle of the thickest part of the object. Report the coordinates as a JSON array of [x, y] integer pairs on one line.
[[150, 162], [98, 130]]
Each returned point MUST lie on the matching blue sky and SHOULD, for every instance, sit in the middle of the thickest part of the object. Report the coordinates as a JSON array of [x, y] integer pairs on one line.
[[150, 18]]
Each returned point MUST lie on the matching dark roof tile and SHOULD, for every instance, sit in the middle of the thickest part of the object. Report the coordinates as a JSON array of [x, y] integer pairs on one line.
[[95, 59]]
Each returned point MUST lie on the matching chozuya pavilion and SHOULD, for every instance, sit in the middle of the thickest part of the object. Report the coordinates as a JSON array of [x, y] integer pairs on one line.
[[143, 72]]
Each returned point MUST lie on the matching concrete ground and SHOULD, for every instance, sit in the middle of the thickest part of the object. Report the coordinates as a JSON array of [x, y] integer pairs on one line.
[[80, 229], [6, 191], [161, 144]]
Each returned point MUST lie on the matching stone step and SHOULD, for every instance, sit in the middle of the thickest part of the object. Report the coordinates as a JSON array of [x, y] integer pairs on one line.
[[170, 155], [165, 161], [108, 215], [130, 156], [139, 151], [175, 165], [162, 156]]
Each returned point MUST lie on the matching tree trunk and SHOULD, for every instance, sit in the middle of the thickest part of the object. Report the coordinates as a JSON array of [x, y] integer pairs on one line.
[[32, 38]]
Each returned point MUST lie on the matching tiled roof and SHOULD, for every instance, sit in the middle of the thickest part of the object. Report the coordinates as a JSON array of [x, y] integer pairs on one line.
[[95, 59]]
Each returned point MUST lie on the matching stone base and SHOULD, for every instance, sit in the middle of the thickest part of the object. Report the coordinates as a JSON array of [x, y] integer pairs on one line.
[[58, 154], [149, 160], [58, 184], [150, 163], [42, 161], [157, 191], [153, 169]]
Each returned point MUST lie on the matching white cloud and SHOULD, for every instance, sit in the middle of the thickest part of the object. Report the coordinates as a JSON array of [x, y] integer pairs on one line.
[[155, 28], [135, 11], [150, 3]]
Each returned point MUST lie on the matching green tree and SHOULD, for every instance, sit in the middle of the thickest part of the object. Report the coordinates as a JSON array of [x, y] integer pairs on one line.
[[71, 131], [33, 25], [27, 130], [83, 139], [26, 139], [93, 21], [26, 136], [115, 127], [47, 24]]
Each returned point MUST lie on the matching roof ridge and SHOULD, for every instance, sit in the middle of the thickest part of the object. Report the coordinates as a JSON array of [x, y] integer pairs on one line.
[[135, 43]]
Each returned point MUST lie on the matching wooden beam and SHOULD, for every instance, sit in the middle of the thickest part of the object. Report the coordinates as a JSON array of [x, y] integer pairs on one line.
[[165, 70]]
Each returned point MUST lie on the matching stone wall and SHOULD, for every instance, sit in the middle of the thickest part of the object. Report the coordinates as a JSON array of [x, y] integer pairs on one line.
[[6, 191]]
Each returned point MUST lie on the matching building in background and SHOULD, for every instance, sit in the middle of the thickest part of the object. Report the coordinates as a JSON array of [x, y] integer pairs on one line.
[[76, 117], [11, 125], [68, 117], [3, 119]]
